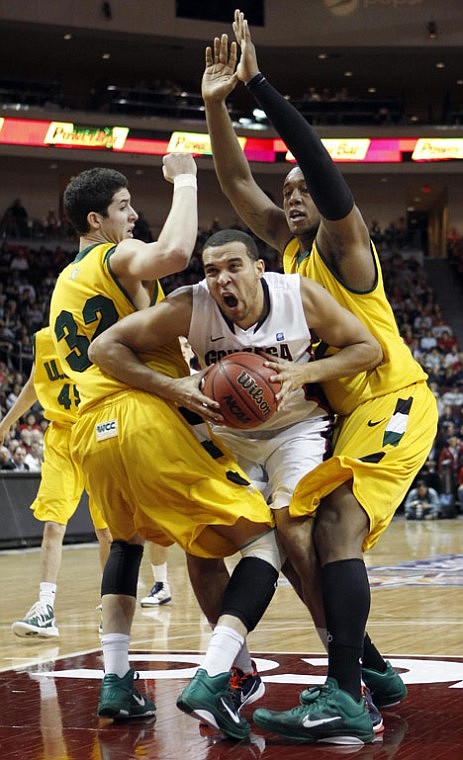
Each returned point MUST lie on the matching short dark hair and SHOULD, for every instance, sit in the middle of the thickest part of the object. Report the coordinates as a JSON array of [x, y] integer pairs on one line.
[[222, 237], [420, 483], [91, 190]]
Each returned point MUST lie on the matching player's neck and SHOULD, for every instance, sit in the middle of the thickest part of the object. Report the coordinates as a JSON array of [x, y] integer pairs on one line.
[[306, 242]]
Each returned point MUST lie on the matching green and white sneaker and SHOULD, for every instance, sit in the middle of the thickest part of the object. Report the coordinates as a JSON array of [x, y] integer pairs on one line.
[[119, 699], [309, 695], [334, 717], [208, 698], [387, 689], [39, 621]]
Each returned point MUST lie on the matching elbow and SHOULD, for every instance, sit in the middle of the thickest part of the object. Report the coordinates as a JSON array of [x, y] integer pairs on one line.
[[184, 257], [376, 355], [179, 257], [94, 350]]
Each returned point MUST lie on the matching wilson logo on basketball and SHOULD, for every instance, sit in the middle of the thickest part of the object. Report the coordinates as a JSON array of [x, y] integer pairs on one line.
[[255, 392], [240, 382]]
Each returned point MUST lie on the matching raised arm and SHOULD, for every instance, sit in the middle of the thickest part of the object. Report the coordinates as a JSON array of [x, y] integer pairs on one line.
[[342, 233], [233, 172], [172, 251]]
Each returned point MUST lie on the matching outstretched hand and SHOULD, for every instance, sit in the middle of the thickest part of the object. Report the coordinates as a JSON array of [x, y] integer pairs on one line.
[[247, 67], [186, 391], [219, 78]]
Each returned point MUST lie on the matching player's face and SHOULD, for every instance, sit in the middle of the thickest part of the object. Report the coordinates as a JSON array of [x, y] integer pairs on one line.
[[302, 215], [119, 223], [233, 279]]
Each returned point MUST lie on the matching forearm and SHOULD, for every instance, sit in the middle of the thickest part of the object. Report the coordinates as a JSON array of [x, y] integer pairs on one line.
[[23, 403], [327, 186], [230, 163], [347, 362], [119, 361], [180, 230]]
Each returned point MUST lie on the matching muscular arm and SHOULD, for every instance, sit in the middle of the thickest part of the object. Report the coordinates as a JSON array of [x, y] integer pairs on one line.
[[359, 350], [135, 260], [342, 236], [116, 352], [250, 202]]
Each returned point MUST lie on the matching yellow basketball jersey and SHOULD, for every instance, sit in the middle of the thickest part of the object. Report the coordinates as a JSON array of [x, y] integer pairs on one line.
[[398, 368], [87, 299], [56, 392]]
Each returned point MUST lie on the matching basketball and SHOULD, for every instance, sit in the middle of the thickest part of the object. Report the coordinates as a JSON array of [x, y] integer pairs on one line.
[[241, 384]]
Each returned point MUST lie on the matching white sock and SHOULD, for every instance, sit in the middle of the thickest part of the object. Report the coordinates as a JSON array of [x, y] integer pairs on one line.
[[116, 653], [48, 688], [243, 660], [160, 572], [47, 593], [224, 646]]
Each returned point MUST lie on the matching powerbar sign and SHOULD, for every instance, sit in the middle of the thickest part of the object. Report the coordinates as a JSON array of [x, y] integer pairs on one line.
[[66, 133]]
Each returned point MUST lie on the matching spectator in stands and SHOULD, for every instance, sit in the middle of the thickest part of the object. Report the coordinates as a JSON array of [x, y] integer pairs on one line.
[[30, 423], [422, 322], [454, 396], [13, 395], [19, 261], [450, 414], [451, 457], [34, 457], [429, 474], [52, 223], [452, 359], [19, 457], [15, 220], [460, 489], [428, 340], [422, 503], [6, 460]]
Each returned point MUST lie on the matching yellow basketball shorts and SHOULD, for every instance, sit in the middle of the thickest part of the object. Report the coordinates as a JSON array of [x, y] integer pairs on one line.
[[62, 481], [380, 447], [153, 472]]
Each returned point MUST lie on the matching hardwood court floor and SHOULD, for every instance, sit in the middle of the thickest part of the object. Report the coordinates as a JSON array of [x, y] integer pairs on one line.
[[49, 688]]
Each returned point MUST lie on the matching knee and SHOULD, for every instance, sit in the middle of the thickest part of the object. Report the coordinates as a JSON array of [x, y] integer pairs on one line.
[[340, 529], [205, 567], [53, 531], [104, 536]]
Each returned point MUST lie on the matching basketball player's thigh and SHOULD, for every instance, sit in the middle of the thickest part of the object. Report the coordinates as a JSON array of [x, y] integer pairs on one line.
[[297, 450]]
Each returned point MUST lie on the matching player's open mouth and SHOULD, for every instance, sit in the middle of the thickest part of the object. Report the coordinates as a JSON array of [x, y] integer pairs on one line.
[[230, 301]]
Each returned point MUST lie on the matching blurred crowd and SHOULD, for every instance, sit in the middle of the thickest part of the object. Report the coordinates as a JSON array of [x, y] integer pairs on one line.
[[28, 274]]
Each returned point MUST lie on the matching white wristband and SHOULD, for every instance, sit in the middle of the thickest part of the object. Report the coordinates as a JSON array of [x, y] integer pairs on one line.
[[185, 180]]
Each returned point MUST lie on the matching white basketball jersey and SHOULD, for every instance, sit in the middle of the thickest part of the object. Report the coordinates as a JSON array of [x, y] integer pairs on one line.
[[283, 333]]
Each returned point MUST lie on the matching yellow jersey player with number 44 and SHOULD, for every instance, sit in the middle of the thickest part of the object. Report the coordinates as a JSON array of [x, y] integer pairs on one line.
[[62, 481]]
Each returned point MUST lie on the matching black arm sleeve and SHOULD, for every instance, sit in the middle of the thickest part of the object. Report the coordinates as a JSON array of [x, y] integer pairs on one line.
[[327, 186]]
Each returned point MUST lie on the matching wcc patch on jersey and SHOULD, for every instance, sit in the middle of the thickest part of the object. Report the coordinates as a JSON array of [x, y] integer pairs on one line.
[[107, 429]]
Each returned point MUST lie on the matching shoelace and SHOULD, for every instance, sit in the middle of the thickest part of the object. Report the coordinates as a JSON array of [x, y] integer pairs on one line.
[[236, 678], [40, 612]]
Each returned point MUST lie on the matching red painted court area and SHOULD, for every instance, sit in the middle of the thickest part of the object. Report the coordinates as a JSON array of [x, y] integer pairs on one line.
[[49, 712]]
